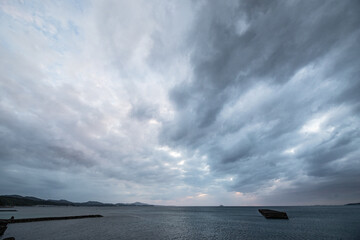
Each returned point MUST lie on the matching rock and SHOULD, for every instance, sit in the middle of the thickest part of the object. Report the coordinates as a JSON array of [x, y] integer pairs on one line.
[[3, 226], [2, 229], [271, 214]]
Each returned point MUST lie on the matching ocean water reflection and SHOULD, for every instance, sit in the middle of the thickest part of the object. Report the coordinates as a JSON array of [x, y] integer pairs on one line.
[[318, 222]]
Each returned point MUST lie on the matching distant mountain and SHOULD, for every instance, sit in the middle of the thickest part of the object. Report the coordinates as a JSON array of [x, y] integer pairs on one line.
[[61, 202], [17, 200], [352, 204], [133, 204], [95, 204]]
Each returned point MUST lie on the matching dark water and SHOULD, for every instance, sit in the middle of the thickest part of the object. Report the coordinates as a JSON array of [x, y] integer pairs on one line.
[[335, 222]]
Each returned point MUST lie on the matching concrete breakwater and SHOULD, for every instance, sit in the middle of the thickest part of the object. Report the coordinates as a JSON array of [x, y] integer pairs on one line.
[[24, 220], [5, 222]]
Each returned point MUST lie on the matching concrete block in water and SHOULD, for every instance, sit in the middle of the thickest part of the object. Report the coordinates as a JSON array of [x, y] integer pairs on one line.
[[272, 214]]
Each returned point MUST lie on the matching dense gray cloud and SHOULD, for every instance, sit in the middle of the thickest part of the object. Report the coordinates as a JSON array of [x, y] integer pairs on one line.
[[258, 70], [236, 102]]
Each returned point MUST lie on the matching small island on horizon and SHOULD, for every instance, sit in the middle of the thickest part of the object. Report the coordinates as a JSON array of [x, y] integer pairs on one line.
[[17, 200]]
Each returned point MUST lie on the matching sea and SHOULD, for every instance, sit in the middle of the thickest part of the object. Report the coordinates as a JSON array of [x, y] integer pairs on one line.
[[164, 222]]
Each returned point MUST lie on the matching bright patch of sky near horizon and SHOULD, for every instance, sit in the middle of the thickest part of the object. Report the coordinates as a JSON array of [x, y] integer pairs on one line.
[[181, 102]]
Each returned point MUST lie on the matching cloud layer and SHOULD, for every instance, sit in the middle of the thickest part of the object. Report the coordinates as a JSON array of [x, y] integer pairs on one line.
[[187, 103]]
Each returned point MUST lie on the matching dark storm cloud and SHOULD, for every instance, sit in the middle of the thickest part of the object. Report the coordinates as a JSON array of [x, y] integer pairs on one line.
[[279, 40], [339, 184], [284, 39], [256, 101]]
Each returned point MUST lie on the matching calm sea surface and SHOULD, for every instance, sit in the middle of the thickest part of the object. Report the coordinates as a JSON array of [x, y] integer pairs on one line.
[[320, 222]]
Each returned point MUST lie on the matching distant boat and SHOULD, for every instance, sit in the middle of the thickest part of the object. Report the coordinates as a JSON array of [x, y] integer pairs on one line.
[[221, 205], [271, 214]]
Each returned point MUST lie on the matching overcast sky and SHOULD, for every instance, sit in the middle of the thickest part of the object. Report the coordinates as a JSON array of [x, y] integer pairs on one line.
[[181, 102]]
